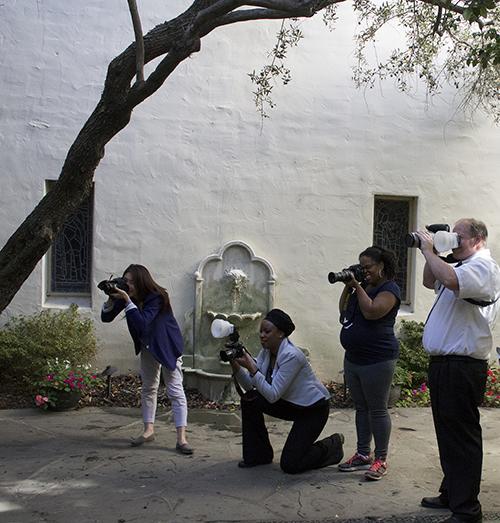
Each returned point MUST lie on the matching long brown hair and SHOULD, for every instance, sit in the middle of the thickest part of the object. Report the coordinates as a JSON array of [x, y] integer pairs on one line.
[[144, 285]]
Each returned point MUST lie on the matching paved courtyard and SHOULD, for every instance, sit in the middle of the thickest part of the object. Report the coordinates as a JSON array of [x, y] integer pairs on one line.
[[78, 466]]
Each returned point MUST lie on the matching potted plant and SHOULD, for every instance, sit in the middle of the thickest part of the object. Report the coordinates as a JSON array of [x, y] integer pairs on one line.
[[61, 385]]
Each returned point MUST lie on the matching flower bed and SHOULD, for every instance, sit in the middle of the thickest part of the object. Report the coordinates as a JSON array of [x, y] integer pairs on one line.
[[62, 384]]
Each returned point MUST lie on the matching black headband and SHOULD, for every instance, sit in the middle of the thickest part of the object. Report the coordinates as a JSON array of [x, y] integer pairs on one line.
[[281, 320]]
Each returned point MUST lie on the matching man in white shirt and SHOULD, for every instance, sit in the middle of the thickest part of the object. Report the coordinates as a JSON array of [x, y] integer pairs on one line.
[[458, 337]]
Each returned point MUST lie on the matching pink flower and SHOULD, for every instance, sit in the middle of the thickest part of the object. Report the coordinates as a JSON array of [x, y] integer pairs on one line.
[[50, 377], [41, 400], [423, 387]]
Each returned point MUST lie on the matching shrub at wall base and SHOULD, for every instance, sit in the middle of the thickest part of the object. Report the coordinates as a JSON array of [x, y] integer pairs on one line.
[[49, 353]]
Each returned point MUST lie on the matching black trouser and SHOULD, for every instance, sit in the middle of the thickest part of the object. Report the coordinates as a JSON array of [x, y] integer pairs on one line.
[[457, 385], [300, 452]]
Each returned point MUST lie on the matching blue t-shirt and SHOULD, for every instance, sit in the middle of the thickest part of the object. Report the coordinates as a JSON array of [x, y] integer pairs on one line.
[[370, 341]]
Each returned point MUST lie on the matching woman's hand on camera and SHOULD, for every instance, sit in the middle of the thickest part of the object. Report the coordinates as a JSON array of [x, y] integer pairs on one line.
[[120, 294], [247, 362], [352, 282]]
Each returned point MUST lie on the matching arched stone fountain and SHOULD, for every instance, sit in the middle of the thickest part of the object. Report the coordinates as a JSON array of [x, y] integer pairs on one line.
[[237, 286]]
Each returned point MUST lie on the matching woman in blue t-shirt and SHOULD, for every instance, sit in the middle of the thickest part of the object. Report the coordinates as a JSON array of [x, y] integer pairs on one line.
[[368, 311]]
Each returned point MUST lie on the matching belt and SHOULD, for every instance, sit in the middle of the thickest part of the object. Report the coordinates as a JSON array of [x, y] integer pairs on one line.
[[454, 357]]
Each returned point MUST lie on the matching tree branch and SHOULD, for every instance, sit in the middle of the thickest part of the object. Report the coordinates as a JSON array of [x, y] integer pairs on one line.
[[139, 40], [252, 14], [164, 69], [445, 4]]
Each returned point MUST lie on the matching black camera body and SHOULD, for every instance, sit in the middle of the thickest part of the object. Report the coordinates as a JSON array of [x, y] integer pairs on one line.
[[412, 240], [233, 348], [346, 275], [232, 351], [110, 286]]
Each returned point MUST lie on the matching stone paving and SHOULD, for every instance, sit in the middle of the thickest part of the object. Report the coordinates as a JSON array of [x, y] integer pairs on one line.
[[78, 466]]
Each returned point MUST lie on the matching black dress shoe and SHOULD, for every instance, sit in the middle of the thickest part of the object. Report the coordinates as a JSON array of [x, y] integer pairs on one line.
[[436, 502], [456, 519]]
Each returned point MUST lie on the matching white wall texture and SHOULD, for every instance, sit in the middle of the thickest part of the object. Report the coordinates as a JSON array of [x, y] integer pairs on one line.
[[196, 168]]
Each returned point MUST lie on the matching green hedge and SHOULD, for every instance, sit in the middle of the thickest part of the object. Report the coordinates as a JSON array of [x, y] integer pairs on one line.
[[27, 342], [411, 369]]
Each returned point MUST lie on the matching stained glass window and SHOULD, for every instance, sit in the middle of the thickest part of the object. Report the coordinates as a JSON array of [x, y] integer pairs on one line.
[[71, 253], [391, 223]]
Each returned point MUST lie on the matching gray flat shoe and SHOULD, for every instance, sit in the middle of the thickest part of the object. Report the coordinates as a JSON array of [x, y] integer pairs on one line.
[[137, 442], [184, 449]]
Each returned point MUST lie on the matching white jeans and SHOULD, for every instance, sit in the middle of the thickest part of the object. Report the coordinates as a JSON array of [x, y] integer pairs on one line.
[[150, 374]]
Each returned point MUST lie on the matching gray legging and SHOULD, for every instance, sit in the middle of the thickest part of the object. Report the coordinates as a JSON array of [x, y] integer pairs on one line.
[[370, 386]]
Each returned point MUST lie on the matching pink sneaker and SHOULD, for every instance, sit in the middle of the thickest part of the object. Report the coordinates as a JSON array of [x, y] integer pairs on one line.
[[357, 462], [377, 470]]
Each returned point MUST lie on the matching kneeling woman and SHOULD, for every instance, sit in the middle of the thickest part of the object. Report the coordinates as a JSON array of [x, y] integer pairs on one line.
[[282, 384]]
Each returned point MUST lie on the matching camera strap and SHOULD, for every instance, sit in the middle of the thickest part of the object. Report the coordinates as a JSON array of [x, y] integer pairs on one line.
[[442, 288], [480, 303], [237, 386]]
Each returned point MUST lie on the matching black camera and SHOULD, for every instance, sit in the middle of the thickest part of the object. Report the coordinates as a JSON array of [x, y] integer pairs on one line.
[[233, 348], [232, 351], [346, 275], [110, 286], [412, 240]]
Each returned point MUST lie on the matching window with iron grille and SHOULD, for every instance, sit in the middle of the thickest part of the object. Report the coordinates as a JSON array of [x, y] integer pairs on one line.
[[392, 221], [70, 257]]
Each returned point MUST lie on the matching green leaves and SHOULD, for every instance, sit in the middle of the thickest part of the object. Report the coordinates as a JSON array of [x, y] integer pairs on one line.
[[477, 9], [438, 44], [27, 342], [288, 36], [458, 46]]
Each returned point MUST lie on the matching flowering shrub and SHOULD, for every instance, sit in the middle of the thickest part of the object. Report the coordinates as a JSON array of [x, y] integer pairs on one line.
[[62, 376], [419, 397], [492, 395], [27, 342]]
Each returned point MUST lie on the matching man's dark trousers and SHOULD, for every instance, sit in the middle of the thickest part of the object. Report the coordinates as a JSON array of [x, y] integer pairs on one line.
[[457, 385]]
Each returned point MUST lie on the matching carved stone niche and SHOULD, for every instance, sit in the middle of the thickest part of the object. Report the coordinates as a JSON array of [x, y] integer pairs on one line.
[[237, 286]]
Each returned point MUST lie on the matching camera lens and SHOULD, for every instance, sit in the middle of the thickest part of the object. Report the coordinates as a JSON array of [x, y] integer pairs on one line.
[[344, 276], [412, 240]]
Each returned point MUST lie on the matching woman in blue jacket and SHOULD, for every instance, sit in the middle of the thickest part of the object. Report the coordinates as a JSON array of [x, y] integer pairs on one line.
[[158, 340], [283, 385]]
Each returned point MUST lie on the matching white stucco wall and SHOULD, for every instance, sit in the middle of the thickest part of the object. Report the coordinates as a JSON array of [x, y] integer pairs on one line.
[[196, 168]]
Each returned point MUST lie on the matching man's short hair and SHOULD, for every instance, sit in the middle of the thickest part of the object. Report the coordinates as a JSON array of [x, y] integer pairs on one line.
[[477, 229]]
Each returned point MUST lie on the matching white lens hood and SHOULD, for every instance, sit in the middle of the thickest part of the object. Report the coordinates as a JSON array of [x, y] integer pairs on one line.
[[445, 241], [221, 328]]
